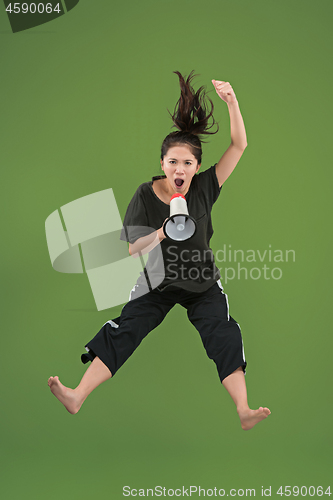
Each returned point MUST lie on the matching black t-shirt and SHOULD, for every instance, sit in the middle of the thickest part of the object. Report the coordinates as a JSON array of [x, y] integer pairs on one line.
[[187, 264]]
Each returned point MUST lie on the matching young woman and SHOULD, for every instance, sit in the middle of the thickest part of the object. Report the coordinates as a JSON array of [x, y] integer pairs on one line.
[[189, 277]]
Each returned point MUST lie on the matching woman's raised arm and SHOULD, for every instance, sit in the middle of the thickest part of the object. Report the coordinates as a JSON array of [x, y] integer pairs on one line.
[[231, 157]]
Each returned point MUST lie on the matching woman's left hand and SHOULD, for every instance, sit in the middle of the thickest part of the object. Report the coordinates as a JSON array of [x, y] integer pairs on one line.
[[225, 91]]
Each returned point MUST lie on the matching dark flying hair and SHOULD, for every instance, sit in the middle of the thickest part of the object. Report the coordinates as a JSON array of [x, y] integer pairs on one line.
[[191, 116]]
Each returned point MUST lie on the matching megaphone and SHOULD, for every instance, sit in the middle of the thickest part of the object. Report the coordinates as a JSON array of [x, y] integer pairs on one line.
[[180, 226]]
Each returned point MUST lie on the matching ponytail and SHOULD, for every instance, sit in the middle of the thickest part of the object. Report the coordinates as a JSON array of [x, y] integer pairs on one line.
[[192, 113], [191, 116]]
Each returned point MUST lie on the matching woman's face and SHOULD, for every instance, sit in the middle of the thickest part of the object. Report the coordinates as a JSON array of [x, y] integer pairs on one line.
[[179, 166]]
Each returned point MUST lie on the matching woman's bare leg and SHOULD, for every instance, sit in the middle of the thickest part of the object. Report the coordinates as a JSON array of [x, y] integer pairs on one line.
[[72, 399], [235, 385]]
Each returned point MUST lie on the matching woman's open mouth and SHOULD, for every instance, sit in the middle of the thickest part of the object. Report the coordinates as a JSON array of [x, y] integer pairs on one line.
[[179, 182]]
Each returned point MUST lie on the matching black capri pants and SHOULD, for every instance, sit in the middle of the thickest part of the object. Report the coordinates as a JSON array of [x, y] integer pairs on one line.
[[208, 311]]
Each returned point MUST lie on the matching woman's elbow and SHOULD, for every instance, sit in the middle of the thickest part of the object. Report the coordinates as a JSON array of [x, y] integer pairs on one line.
[[133, 253]]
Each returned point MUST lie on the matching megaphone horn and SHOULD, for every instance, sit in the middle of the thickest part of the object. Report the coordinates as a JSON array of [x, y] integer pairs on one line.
[[180, 226]]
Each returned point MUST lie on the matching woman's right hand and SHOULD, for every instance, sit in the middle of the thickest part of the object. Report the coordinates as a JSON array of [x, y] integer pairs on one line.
[[160, 231]]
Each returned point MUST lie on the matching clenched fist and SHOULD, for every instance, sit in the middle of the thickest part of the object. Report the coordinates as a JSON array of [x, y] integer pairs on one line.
[[225, 91]]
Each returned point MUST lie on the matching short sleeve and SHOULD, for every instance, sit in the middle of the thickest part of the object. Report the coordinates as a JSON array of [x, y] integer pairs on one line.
[[209, 184], [136, 220]]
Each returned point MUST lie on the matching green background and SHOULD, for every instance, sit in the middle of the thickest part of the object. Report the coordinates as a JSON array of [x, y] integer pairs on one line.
[[84, 108]]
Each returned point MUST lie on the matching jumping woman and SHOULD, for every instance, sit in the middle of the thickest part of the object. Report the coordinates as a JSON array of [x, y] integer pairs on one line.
[[190, 277]]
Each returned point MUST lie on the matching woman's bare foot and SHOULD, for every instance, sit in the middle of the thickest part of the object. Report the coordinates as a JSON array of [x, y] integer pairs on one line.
[[68, 397], [249, 418]]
